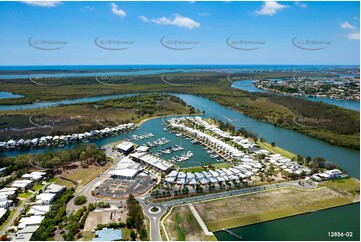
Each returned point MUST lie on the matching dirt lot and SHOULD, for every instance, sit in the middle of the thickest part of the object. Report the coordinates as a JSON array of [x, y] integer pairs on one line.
[[102, 216], [263, 206], [182, 225]]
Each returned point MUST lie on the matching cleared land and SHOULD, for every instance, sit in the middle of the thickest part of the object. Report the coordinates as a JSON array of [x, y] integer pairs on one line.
[[181, 225], [276, 149], [263, 206], [81, 175]]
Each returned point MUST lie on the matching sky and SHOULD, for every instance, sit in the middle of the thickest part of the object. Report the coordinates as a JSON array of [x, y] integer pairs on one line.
[[189, 32]]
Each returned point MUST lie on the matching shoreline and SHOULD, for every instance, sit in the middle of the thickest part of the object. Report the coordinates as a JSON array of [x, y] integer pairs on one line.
[[290, 216]]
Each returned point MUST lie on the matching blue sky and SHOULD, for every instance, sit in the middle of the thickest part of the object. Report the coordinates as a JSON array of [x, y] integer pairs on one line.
[[260, 33]]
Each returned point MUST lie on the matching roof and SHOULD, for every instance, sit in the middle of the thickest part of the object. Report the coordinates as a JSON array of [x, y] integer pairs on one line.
[[124, 172], [125, 146], [39, 209], [45, 196], [32, 220], [28, 229], [22, 237], [54, 188]]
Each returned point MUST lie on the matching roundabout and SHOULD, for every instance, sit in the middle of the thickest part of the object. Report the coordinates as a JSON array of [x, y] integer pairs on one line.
[[154, 210]]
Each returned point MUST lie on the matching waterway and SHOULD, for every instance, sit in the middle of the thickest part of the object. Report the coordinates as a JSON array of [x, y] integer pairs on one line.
[[290, 140], [5, 95], [312, 226], [247, 85]]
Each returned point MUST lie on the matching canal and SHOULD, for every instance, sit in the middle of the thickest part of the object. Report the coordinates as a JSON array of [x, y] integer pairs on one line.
[[311, 226]]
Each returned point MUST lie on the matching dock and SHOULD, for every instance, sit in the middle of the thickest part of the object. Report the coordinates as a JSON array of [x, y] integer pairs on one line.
[[232, 234]]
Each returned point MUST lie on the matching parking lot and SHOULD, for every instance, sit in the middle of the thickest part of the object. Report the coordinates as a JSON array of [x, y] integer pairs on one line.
[[121, 188]]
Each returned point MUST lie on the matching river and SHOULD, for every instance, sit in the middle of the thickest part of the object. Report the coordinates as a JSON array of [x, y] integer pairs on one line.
[[304, 227], [312, 226], [247, 85], [287, 139]]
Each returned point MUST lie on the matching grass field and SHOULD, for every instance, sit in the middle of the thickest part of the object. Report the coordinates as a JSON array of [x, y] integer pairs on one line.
[[181, 225], [199, 168], [276, 149], [88, 235], [12, 212], [126, 234], [348, 187], [81, 175], [37, 187], [263, 206], [24, 194], [63, 182]]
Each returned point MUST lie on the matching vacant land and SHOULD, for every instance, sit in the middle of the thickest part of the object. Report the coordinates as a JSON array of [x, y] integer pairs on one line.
[[276, 149], [254, 208], [181, 225], [103, 216], [350, 187], [82, 175]]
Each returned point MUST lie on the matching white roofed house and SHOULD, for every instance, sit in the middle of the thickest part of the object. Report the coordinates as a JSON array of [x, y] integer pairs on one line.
[[11, 144], [45, 198], [30, 221], [23, 185], [54, 188]]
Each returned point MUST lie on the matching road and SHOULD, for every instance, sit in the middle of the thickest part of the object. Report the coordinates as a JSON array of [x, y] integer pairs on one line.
[[19, 209], [86, 190], [163, 206]]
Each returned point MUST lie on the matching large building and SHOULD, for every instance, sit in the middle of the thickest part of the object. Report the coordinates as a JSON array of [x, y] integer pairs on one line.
[[152, 161], [124, 173], [125, 147]]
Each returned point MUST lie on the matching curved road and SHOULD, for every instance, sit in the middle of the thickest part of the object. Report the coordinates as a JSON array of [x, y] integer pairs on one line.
[[163, 206]]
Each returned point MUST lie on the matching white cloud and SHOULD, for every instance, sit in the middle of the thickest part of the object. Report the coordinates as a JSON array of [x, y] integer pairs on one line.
[[347, 25], [301, 4], [270, 8], [203, 14], [144, 18], [354, 35], [178, 20], [48, 4], [87, 9], [117, 11]]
